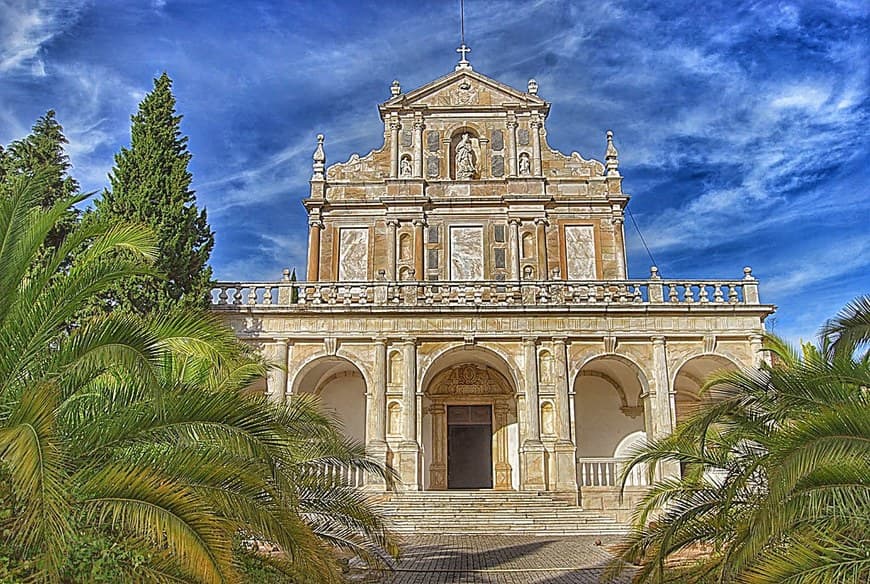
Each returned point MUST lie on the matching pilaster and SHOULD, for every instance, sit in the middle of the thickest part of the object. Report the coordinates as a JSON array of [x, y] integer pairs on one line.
[[533, 477], [408, 453], [564, 450]]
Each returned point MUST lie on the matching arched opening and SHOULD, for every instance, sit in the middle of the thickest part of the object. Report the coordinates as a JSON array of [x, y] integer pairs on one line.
[[471, 435], [340, 388], [608, 410], [691, 377]]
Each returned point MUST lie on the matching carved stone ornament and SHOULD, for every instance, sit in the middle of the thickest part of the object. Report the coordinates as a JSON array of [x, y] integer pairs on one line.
[[469, 379], [464, 94]]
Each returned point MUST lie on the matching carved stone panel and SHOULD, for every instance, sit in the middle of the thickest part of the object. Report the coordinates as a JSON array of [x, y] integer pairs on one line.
[[353, 248], [497, 142], [466, 253], [523, 136], [433, 141], [498, 165], [407, 138], [580, 252], [433, 166]]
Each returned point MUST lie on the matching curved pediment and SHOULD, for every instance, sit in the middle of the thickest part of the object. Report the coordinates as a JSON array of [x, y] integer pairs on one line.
[[469, 379]]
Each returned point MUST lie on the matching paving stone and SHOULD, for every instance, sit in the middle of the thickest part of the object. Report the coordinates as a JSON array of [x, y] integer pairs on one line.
[[485, 559]]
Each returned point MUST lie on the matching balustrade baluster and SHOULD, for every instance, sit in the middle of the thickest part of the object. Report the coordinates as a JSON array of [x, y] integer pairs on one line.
[[732, 294], [672, 293], [717, 293], [702, 293], [237, 296], [223, 296], [267, 295], [688, 293]]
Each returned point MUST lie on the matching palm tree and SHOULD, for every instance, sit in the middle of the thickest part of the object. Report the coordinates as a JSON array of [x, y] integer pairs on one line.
[[777, 486], [142, 431]]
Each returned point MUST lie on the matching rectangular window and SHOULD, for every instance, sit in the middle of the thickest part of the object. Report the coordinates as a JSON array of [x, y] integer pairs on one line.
[[499, 233], [433, 235]]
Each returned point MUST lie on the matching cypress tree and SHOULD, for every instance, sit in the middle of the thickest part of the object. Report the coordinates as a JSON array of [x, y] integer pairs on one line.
[[42, 153], [150, 184]]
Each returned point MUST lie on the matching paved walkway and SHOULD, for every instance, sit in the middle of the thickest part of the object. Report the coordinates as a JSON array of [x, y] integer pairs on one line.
[[501, 560]]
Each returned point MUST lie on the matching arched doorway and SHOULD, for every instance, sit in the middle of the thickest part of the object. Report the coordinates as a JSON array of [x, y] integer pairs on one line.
[[473, 434]]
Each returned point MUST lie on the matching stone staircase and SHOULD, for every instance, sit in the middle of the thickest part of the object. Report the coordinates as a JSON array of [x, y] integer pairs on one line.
[[491, 513]]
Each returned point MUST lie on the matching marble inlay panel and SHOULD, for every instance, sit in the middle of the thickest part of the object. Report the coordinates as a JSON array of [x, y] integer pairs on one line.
[[353, 252], [466, 253], [580, 252]]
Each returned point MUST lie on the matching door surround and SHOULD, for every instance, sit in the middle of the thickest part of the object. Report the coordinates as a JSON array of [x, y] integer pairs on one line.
[[471, 384]]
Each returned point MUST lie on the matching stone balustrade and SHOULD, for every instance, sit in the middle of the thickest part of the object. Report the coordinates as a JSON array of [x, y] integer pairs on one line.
[[654, 291], [607, 472]]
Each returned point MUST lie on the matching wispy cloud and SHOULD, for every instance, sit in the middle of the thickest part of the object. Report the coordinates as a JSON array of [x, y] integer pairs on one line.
[[26, 26]]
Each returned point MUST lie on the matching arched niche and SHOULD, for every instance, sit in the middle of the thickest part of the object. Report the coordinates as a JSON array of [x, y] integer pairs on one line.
[[465, 154]]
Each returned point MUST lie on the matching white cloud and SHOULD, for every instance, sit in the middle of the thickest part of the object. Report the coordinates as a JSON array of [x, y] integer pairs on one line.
[[26, 26]]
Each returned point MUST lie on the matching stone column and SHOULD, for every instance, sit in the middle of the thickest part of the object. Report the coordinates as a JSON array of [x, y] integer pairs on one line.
[[418, 148], [438, 468], [409, 448], [502, 466], [541, 233], [564, 451], [536, 144], [394, 147], [314, 228], [376, 413], [392, 227], [512, 145], [618, 222], [276, 379], [418, 250], [516, 251], [533, 477], [663, 412]]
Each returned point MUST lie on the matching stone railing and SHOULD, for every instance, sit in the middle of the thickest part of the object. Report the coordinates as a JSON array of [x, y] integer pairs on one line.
[[229, 295], [340, 475], [607, 472]]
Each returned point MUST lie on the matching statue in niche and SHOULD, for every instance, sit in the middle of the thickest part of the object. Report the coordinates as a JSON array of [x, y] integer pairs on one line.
[[525, 164], [405, 165], [465, 167]]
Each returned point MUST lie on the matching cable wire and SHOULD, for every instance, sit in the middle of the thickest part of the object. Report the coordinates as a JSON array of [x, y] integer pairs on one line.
[[643, 241]]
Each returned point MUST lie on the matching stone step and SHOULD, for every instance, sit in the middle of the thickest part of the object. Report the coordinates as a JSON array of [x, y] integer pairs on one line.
[[489, 512]]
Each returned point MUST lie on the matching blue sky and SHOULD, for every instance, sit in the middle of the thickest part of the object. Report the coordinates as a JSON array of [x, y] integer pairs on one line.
[[742, 126]]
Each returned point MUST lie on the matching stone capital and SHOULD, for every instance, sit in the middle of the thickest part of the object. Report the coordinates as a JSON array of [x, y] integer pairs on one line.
[[658, 341], [532, 341]]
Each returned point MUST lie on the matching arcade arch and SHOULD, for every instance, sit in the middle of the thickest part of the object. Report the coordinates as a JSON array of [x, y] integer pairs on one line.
[[340, 387], [690, 378], [607, 405]]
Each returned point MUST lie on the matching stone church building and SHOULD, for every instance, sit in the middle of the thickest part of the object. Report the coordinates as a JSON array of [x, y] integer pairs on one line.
[[467, 312]]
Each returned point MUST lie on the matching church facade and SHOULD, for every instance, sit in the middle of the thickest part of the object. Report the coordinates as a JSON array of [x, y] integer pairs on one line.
[[467, 312]]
